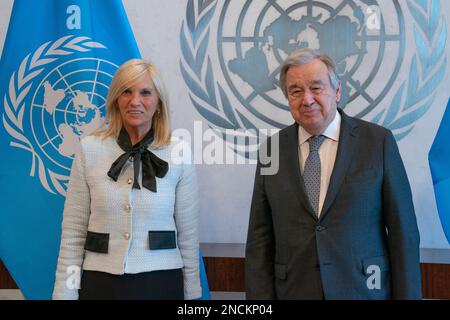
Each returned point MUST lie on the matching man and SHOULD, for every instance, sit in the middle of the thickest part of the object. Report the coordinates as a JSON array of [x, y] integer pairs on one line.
[[337, 220]]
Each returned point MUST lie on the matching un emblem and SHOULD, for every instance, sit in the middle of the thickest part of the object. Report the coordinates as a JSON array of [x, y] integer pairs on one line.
[[68, 103], [247, 41]]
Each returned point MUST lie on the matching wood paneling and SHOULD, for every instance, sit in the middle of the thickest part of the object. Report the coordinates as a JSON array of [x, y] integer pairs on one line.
[[227, 274], [435, 280], [6, 282]]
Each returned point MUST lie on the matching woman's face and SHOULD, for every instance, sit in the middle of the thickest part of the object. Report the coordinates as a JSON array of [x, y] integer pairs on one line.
[[138, 104]]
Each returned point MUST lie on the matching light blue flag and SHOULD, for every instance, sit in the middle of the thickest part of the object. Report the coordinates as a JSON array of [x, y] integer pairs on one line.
[[439, 159], [206, 295], [57, 63]]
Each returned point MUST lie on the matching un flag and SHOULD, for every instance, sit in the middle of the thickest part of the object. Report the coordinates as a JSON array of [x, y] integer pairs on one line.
[[58, 60], [439, 159]]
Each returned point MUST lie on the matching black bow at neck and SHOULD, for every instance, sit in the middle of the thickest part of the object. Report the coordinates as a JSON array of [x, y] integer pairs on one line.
[[152, 166]]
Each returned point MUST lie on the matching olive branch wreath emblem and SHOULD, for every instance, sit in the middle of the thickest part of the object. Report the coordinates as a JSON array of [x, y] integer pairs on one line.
[[411, 101], [15, 102]]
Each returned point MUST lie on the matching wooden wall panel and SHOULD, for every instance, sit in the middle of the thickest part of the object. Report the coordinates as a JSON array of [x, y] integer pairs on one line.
[[227, 274], [435, 280], [6, 282]]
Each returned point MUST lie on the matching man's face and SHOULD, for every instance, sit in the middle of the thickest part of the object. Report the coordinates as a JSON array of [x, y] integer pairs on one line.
[[312, 99]]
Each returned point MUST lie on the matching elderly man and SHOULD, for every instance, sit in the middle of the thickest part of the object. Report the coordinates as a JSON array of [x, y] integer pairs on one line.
[[337, 220]]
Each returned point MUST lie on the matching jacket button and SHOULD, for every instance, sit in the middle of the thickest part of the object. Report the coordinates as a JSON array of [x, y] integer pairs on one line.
[[130, 181], [126, 235], [320, 228], [128, 208]]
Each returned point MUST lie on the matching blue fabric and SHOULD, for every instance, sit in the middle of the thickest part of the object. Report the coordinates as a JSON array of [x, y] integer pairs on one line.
[[439, 160], [57, 62], [206, 295], [31, 216]]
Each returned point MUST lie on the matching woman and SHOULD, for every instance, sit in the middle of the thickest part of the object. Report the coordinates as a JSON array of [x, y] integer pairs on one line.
[[130, 217]]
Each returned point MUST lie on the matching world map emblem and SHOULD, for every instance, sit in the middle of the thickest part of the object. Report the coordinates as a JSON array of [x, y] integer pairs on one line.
[[232, 53], [57, 96]]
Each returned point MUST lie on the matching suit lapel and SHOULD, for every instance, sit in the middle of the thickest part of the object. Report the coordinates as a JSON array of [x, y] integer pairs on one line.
[[345, 152], [290, 150]]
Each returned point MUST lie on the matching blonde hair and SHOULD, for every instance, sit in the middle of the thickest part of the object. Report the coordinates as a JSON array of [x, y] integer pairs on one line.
[[125, 77]]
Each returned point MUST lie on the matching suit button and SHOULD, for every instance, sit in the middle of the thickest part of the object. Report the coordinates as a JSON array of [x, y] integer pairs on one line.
[[128, 208], [320, 228], [126, 236], [130, 181]]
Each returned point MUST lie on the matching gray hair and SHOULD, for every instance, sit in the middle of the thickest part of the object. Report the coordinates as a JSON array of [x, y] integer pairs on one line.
[[303, 56]]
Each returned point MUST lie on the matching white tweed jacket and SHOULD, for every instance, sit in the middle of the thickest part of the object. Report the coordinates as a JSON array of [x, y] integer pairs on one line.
[[97, 204]]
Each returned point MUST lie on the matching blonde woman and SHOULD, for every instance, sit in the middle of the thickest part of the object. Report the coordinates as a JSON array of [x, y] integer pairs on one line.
[[131, 213]]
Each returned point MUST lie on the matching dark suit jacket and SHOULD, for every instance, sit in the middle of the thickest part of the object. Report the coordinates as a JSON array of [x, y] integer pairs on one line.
[[367, 220]]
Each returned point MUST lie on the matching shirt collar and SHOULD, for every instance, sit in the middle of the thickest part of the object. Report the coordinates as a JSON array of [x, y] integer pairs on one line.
[[331, 132]]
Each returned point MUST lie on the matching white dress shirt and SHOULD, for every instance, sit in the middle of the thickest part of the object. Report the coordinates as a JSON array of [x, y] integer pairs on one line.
[[327, 154]]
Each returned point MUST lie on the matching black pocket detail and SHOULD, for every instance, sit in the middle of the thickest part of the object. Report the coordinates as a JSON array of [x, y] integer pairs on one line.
[[97, 242], [162, 240]]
